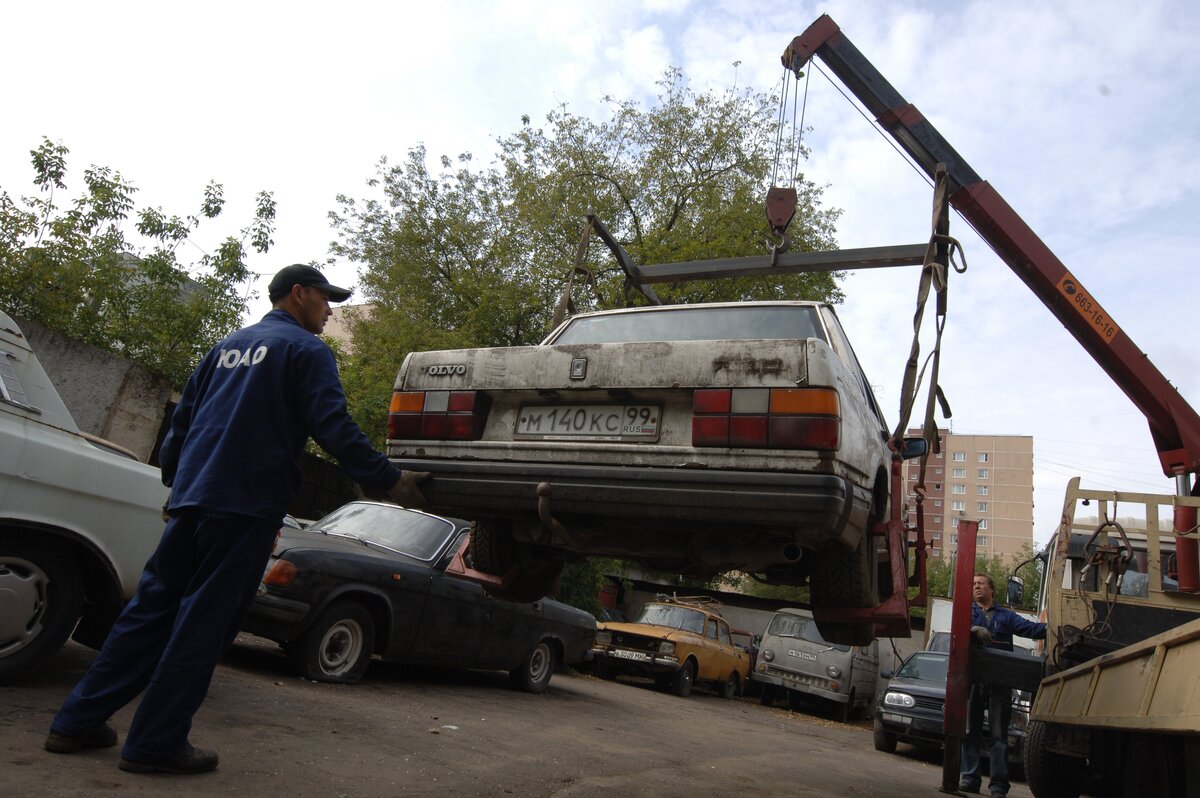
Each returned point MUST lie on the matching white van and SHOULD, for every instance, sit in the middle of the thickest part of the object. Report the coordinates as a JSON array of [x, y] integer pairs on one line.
[[794, 659]]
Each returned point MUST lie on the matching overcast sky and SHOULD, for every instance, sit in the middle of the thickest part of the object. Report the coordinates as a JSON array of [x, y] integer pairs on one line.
[[1083, 115]]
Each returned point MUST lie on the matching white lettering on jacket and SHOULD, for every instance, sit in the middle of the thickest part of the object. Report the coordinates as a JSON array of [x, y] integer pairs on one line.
[[232, 358]]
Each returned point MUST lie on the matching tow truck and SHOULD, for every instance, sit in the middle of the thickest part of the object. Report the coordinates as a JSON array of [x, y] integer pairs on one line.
[[1117, 703]]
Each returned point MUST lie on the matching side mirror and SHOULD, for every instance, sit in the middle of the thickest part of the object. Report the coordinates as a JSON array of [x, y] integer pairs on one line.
[[914, 448], [887, 673], [1016, 590]]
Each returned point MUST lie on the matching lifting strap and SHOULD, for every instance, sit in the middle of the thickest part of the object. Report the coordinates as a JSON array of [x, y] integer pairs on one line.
[[938, 255]]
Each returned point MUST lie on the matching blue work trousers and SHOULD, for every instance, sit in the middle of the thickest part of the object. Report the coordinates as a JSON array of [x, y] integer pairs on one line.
[[998, 701], [192, 598]]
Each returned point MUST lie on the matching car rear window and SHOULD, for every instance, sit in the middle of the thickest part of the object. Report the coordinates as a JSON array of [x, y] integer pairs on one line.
[[752, 323]]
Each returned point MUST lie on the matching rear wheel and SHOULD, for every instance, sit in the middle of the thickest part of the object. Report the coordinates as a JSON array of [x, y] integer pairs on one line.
[[729, 687], [1050, 774], [685, 677], [533, 676], [841, 579], [494, 551], [841, 712], [337, 647], [40, 600]]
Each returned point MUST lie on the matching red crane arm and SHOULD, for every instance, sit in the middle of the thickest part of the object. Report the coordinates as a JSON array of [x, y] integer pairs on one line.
[[1174, 424]]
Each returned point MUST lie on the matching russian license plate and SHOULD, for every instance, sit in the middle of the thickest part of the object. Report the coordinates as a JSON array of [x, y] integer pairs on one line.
[[635, 655], [589, 422]]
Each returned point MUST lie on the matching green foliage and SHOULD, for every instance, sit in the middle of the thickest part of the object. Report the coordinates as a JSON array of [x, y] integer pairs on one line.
[[799, 596], [581, 582], [70, 267], [467, 256], [940, 573]]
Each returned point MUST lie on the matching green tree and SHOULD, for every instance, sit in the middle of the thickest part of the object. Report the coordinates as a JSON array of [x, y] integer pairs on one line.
[[469, 256], [940, 573], [71, 268]]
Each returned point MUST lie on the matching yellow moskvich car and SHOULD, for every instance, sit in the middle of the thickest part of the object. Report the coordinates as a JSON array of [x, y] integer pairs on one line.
[[677, 642]]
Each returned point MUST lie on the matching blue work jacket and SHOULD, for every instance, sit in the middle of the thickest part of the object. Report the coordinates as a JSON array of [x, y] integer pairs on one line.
[[1005, 623], [248, 409]]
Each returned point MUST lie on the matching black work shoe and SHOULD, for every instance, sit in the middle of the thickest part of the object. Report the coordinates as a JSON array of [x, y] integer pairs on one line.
[[190, 760], [103, 737], [967, 788]]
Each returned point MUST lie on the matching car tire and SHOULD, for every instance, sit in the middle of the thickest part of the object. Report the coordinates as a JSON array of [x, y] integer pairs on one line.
[[684, 679], [1050, 775], [729, 687], [841, 712], [337, 647], [494, 551], [42, 599], [795, 701], [492, 547], [766, 696], [884, 740], [533, 675], [842, 579]]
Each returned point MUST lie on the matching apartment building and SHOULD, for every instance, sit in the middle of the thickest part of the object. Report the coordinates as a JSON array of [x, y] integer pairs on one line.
[[984, 478]]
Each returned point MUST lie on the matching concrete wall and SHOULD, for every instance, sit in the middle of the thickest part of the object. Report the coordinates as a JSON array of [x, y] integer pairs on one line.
[[107, 395]]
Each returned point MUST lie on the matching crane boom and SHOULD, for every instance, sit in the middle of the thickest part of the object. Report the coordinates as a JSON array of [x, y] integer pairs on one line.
[[1174, 424]]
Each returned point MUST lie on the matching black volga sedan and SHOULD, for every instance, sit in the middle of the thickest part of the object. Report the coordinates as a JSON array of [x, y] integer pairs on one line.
[[370, 578]]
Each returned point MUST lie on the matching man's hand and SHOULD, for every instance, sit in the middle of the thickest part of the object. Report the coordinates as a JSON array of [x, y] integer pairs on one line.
[[982, 634], [406, 493]]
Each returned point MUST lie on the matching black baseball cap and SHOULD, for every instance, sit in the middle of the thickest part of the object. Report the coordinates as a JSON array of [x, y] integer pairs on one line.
[[303, 274]]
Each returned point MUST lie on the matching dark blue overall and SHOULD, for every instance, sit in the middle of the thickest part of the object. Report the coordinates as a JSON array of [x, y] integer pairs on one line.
[[231, 459]]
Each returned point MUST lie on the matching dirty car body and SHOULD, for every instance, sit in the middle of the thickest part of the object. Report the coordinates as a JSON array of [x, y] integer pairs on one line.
[[691, 438], [370, 578]]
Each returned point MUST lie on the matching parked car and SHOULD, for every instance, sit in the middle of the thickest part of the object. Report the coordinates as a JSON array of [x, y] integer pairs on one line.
[[677, 642], [796, 661], [79, 517], [371, 578], [692, 438], [912, 707]]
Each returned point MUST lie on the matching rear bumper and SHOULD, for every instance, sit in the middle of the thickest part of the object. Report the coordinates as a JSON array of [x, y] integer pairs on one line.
[[276, 618], [822, 508]]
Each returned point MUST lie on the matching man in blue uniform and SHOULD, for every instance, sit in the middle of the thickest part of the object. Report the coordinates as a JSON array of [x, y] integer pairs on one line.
[[230, 459], [993, 626]]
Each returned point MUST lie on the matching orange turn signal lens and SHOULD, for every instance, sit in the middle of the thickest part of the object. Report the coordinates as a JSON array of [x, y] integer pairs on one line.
[[407, 402], [281, 574], [807, 401]]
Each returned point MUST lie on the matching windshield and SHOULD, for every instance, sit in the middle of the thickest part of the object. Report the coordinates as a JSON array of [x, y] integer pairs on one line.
[[415, 534], [747, 323], [799, 626], [925, 666], [674, 616]]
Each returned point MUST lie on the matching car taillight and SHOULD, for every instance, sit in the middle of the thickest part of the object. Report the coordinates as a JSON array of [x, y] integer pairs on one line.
[[766, 418], [438, 415]]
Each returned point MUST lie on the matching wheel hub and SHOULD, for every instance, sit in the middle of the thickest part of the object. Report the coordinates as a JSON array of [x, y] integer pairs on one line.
[[22, 603]]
